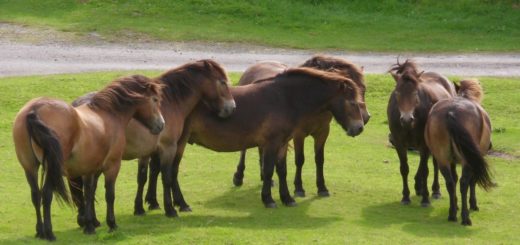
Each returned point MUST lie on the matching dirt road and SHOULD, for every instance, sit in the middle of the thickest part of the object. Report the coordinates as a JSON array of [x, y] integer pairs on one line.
[[29, 51]]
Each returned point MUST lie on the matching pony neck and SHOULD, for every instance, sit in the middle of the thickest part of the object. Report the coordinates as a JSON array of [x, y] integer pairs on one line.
[[306, 96]]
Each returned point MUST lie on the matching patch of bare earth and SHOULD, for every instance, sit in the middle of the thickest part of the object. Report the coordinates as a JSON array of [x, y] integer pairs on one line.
[[502, 155]]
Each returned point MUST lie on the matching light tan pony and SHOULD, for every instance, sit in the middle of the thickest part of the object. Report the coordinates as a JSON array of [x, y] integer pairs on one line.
[[459, 130], [82, 142]]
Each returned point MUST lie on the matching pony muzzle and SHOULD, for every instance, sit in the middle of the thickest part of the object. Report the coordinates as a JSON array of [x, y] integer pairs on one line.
[[355, 129], [228, 108], [157, 125], [407, 120]]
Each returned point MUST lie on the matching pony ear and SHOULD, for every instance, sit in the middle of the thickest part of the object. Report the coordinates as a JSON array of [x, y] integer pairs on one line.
[[420, 74], [395, 76], [457, 87], [362, 69]]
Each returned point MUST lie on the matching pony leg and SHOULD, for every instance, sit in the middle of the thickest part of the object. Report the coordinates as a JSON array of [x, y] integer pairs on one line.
[[436, 193], [403, 159], [423, 176], [94, 216], [319, 158], [151, 193], [76, 189], [238, 177], [89, 192], [464, 184], [166, 174], [269, 158], [142, 172], [110, 181], [47, 201], [32, 179], [177, 193], [299, 158], [450, 186], [455, 177], [281, 171], [473, 196]]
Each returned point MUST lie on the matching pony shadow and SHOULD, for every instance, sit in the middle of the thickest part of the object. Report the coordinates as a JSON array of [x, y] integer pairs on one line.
[[251, 214], [415, 219]]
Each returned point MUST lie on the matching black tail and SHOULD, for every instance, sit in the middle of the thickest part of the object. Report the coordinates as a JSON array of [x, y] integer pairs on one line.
[[470, 152], [52, 155]]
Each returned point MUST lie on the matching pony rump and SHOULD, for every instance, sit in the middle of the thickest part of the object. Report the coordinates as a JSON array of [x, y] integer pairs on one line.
[[471, 90], [52, 158], [125, 92], [324, 76], [470, 152]]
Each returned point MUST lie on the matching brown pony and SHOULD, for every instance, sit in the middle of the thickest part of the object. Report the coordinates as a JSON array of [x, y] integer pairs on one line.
[[317, 126], [203, 81], [267, 114], [459, 130], [413, 96], [82, 142]]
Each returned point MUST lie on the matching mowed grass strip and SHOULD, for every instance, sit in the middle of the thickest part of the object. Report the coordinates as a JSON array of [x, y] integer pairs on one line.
[[426, 26], [362, 174]]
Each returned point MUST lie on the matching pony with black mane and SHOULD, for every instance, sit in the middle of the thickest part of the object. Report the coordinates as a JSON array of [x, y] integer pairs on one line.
[[317, 126], [203, 81], [459, 130], [267, 114], [81, 143], [408, 107]]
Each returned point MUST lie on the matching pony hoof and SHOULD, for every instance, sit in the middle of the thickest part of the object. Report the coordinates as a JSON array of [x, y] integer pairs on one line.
[[39, 235], [185, 209], [291, 204], [475, 208], [154, 206], [89, 231], [425, 204], [436, 195], [323, 193], [270, 205], [406, 202], [299, 193], [172, 214], [112, 228], [50, 237], [237, 181], [466, 222], [452, 219], [139, 212]]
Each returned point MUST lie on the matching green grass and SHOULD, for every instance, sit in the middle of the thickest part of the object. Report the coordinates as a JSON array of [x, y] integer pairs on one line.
[[363, 208], [395, 25]]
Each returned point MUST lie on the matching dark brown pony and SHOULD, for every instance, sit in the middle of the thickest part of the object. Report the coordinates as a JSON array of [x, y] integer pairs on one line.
[[459, 130], [317, 126], [414, 94], [203, 81], [82, 142], [267, 114]]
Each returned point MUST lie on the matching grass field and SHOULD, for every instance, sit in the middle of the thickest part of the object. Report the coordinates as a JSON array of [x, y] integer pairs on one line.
[[362, 174], [395, 25]]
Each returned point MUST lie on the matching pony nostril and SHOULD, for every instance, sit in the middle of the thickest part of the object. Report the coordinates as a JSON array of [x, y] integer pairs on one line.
[[360, 129]]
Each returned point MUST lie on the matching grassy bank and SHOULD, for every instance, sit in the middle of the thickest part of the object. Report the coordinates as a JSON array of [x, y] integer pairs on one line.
[[426, 26], [362, 174]]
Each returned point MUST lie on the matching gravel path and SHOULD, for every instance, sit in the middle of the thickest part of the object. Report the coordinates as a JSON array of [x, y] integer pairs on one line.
[[29, 51]]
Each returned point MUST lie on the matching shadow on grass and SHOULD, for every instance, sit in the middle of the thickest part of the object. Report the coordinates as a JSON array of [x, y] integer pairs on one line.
[[414, 219], [236, 208]]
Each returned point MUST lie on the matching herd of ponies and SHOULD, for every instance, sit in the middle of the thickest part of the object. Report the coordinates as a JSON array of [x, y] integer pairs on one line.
[[152, 119]]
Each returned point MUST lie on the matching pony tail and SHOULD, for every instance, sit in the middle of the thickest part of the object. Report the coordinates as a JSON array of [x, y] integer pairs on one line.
[[470, 152], [52, 159]]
